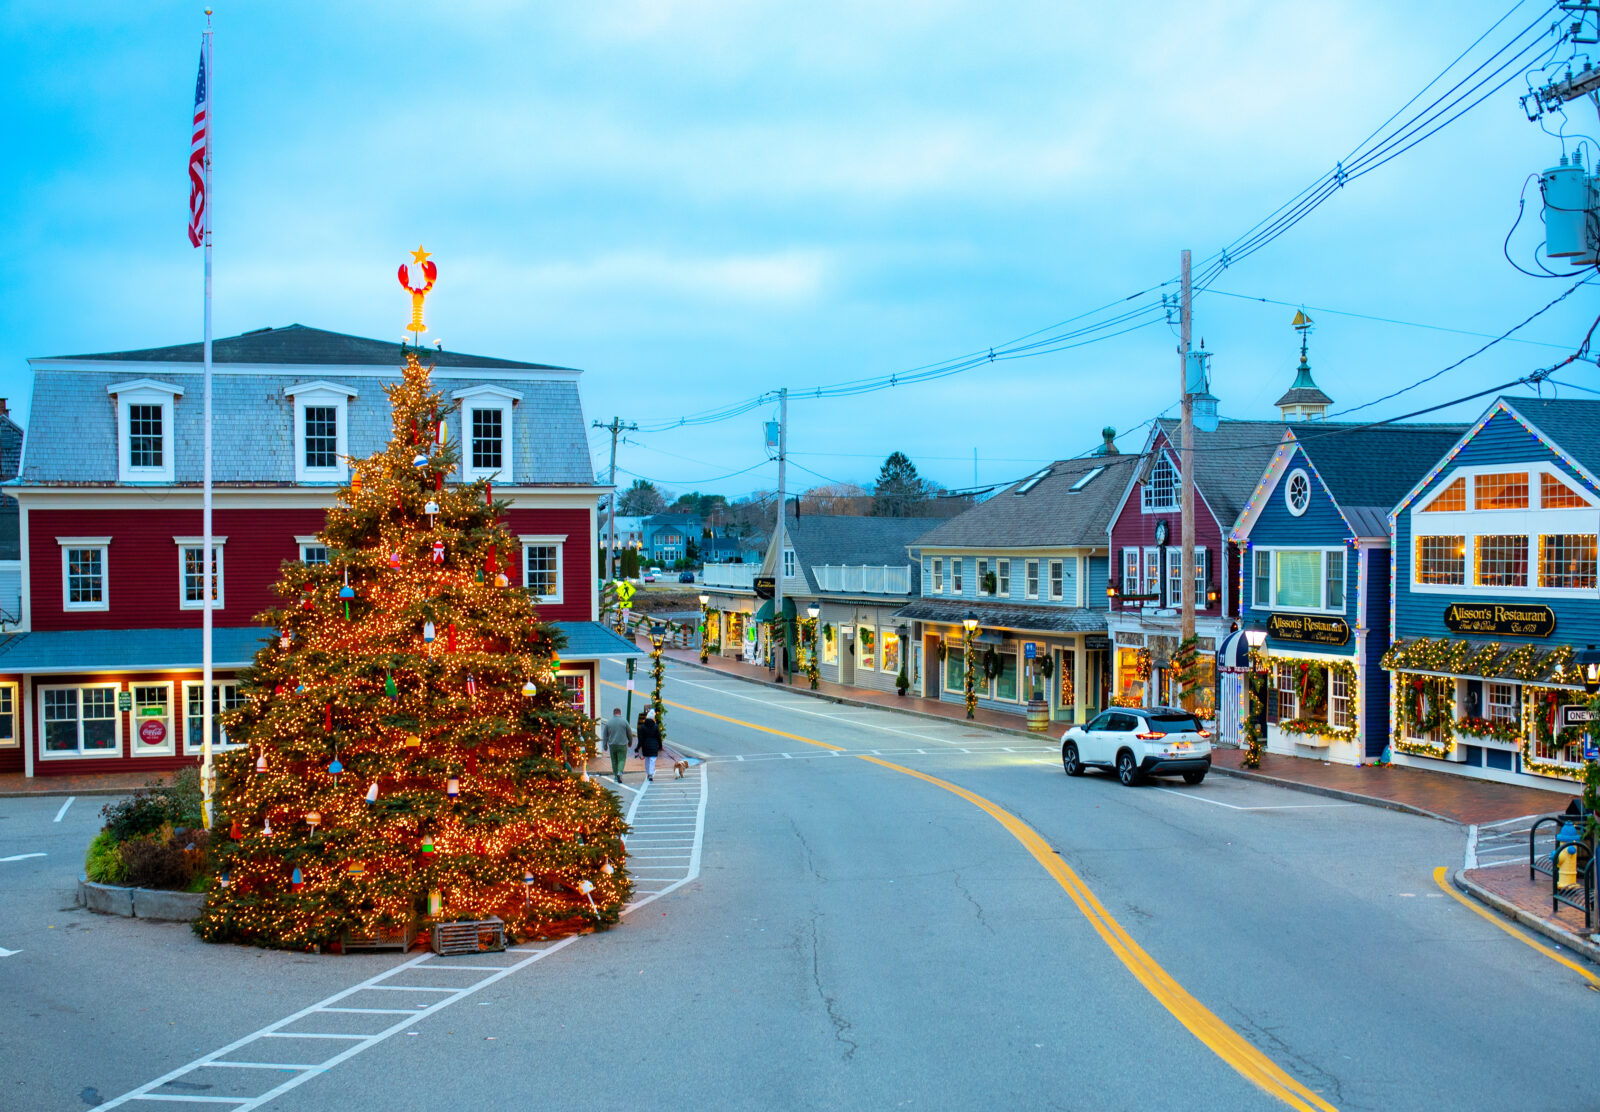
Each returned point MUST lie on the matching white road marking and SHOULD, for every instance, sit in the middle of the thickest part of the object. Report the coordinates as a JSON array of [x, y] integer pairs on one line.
[[62, 813], [21, 856], [5, 953], [305, 1072], [1471, 861], [1236, 807]]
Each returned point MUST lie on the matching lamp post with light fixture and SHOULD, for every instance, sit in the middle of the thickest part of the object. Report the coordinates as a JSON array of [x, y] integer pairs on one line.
[[969, 625], [705, 627], [658, 673], [1255, 636], [813, 612]]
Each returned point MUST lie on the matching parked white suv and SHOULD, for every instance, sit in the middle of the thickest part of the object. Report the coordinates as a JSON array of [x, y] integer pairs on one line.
[[1140, 741]]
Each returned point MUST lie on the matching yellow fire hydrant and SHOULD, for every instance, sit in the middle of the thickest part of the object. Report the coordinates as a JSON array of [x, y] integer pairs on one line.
[[1567, 857]]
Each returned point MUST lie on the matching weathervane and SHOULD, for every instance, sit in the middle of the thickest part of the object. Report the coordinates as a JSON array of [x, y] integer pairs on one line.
[[429, 273], [1303, 325]]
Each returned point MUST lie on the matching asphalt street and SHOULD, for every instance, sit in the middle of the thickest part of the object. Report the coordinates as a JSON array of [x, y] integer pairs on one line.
[[859, 936]]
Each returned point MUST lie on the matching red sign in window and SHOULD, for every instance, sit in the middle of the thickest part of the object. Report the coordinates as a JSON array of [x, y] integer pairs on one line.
[[152, 731]]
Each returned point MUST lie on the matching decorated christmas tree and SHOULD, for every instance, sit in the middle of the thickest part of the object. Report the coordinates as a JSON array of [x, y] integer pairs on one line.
[[407, 754]]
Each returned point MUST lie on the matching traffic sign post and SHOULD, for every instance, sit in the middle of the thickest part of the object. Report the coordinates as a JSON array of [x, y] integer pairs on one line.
[[1574, 714]]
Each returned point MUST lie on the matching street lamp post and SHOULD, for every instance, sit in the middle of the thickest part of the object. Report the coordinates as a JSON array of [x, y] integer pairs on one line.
[[658, 673], [968, 625], [813, 611], [1255, 636], [705, 627]]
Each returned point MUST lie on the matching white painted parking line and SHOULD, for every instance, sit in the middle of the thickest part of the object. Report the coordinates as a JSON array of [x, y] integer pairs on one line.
[[5, 953], [1273, 807], [62, 813], [21, 856]]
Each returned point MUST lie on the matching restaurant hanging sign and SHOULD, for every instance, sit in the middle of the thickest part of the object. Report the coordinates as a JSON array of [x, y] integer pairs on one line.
[[1534, 620], [1308, 629]]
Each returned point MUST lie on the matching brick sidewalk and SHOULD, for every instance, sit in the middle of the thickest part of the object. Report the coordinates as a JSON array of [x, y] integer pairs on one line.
[[92, 783], [1511, 883]]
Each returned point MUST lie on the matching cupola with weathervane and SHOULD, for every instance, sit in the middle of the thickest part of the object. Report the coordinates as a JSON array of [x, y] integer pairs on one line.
[[1303, 401]]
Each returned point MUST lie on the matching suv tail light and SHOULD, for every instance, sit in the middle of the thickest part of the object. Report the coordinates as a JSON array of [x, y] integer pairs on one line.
[[1149, 736], [1203, 732]]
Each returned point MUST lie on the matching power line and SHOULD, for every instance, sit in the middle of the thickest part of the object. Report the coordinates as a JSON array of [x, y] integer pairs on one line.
[[1382, 320]]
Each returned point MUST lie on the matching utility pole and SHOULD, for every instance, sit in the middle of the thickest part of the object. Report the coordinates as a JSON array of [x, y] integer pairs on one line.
[[1186, 463], [777, 573], [614, 428]]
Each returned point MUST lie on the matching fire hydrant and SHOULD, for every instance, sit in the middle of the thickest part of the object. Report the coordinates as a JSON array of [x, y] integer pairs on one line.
[[1567, 856]]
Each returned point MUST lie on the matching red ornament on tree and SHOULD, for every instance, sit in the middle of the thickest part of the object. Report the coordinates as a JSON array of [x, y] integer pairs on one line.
[[327, 717], [438, 552], [450, 638]]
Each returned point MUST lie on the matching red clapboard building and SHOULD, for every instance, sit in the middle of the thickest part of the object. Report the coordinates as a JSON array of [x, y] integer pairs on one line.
[[103, 672]]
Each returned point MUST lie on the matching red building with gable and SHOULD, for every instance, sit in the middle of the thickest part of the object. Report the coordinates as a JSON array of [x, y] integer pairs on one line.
[[104, 670]]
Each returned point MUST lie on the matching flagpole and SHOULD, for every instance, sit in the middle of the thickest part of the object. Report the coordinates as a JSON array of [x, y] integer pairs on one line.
[[207, 564]]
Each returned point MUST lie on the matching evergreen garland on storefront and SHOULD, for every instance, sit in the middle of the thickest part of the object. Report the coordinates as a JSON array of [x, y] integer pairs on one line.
[[1425, 703]]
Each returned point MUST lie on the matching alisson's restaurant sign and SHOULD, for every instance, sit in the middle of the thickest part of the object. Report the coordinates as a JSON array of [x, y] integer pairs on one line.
[[1307, 628], [1494, 617]]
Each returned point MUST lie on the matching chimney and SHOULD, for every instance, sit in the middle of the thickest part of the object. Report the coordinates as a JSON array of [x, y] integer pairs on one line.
[[5, 410]]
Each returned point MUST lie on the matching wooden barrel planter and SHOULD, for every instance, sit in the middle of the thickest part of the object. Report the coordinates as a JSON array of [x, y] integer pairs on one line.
[[1038, 715]]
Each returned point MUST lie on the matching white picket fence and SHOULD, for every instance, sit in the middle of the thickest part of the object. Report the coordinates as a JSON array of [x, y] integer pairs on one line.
[[865, 579]]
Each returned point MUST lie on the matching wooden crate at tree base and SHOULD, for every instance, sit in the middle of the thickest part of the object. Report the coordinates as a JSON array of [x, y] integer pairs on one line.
[[386, 938], [477, 936]]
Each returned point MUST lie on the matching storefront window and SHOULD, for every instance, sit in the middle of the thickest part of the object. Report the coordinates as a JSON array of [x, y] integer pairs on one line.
[[1130, 685], [1065, 698], [891, 652], [1502, 561], [1502, 702], [866, 649], [1285, 674], [954, 667], [830, 645], [1005, 684], [81, 720], [1338, 698]]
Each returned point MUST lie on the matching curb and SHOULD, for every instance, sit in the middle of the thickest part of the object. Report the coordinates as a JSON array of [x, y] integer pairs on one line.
[[1505, 907], [140, 903], [1331, 793], [61, 793]]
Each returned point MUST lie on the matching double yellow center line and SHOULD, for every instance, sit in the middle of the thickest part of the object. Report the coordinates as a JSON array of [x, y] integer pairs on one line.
[[1222, 1040]]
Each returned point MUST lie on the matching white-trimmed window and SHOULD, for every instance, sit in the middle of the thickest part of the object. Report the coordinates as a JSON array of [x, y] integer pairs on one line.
[[576, 685], [866, 649], [321, 431], [1200, 578], [312, 550], [81, 721], [1500, 702], [955, 574], [1174, 556], [487, 446], [224, 696], [1031, 576], [1057, 580], [983, 573], [541, 566], [938, 575], [830, 645], [85, 583], [191, 572], [152, 732], [145, 448], [1338, 698], [1003, 576], [1567, 560], [1441, 561], [9, 736], [1152, 576], [1160, 491], [1297, 492], [789, 568], [889, 651], [1285, 675], [1304, 579]]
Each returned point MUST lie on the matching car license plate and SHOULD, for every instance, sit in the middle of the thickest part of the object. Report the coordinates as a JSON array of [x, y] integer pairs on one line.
[[1180, 745]]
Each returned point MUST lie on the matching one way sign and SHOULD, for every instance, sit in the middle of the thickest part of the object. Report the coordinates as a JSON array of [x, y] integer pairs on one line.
[[1574, 714]]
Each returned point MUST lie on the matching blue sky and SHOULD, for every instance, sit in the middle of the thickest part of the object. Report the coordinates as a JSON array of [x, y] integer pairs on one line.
[[698, 202]]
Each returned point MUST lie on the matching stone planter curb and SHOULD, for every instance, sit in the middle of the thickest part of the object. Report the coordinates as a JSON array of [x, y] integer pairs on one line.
[[140, 903]]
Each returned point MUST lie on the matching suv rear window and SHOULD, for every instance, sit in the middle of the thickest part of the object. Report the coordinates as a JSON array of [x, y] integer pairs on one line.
[[1171, 722]]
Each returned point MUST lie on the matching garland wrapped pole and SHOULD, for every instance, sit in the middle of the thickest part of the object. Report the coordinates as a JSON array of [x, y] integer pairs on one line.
[[705, 627], [809, 632], [658, 673], [384, 776], [971, 676], [1254, 741]]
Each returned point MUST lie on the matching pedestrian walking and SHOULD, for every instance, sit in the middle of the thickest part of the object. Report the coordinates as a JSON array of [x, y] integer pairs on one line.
[[649, 746], [617, 735]]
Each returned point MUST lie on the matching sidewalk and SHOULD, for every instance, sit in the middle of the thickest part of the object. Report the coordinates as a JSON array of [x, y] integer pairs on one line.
[[89, 783]]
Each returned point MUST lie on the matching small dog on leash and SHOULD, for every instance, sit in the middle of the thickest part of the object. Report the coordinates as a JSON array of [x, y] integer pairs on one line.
[[682, 766]]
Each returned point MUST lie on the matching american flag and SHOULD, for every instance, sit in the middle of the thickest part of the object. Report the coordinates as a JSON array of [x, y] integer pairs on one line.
[[197, 157]]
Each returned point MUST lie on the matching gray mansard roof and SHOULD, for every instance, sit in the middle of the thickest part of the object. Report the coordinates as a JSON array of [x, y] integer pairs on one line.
[[72, 434]]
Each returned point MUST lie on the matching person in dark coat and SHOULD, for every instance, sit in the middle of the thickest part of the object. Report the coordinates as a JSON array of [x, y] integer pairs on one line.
[[649, 746]]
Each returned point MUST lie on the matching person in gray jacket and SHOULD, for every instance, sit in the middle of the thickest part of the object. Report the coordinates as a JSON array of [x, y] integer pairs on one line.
[[617, 735]]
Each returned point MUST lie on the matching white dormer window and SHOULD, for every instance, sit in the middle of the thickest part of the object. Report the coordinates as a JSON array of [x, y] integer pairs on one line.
[[486, 441], [789, 570], [321, 431], [145, 447]]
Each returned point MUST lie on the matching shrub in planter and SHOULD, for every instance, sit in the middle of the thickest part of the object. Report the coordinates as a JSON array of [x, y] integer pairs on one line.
[[902, 681], [103, 863], [156, 805], [166, 859]]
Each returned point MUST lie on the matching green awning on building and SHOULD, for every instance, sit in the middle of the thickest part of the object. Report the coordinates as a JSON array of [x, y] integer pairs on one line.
[[764, 614]]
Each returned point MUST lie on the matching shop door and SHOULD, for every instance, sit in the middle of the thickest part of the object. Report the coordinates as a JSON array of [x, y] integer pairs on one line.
[[1230, 708], [847, 659], [931, 666]]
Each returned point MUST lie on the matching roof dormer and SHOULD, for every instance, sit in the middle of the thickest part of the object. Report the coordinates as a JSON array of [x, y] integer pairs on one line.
[[486, 432], [321, 431], [145, 447]]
